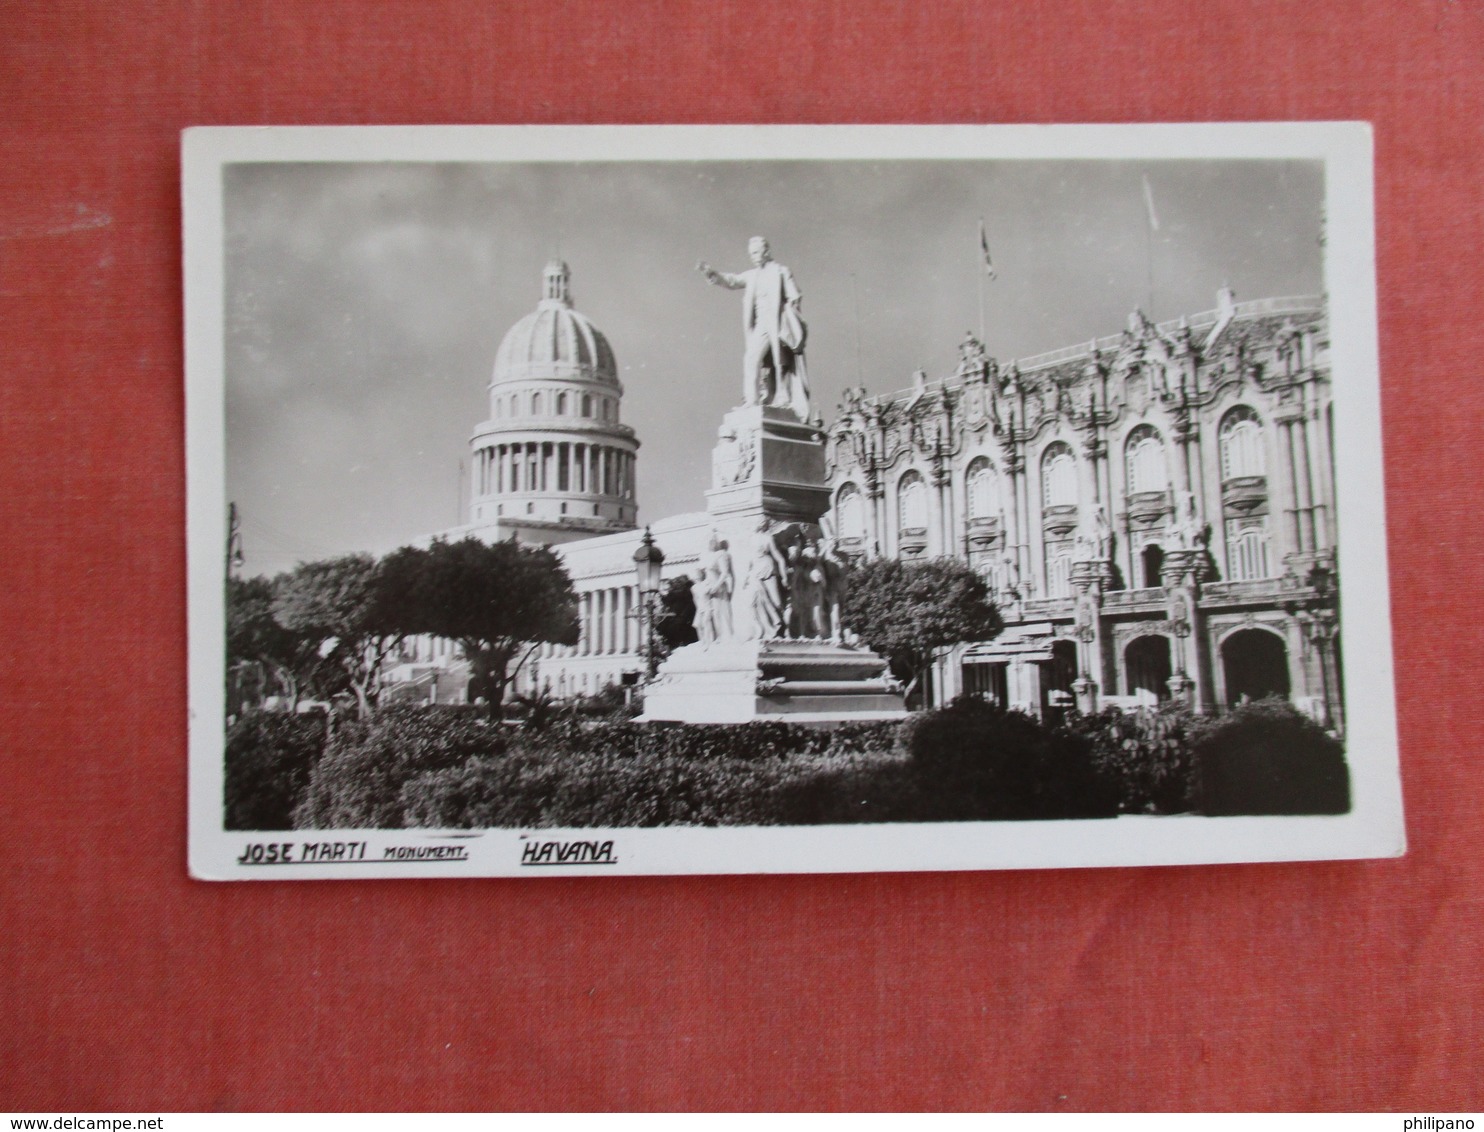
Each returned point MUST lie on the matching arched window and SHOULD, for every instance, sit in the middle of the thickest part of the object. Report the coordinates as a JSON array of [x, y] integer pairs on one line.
[[561, 404], [1146, 461], [850, 513], [912, 503], [1241, 444], [535, 404], [983, 501], [1059, 575], [1247, 549], [1059, 477], [587, 405]]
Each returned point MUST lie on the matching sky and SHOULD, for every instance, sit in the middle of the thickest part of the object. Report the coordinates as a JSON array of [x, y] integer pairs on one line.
[[365, 301]]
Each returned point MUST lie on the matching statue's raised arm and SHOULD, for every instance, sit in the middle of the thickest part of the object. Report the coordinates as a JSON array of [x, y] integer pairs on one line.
[[773, 371], [721, 278]]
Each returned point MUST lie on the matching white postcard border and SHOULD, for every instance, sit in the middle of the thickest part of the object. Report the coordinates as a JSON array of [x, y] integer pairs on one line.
[[1373, 828]]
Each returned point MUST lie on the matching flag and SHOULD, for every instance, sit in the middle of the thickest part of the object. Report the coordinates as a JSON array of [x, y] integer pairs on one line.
[[984, 247], [1149, 203]]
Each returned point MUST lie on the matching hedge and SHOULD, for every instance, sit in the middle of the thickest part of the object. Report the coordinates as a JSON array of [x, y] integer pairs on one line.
[[978, 761], [269, 760], [1268, 757], [358, 783], [971, 761], [527, 789], [443, 767]]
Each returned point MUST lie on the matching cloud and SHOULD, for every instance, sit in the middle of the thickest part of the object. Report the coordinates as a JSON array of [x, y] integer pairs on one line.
[[365, 302]]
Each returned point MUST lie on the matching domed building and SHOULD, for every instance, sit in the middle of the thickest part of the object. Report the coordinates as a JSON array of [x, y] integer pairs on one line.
[[553, 463], [1154, 510]]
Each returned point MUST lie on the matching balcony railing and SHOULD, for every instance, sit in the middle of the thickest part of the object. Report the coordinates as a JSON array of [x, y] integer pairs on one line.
[[1049, 607], [1237, 591], [1128, 599]]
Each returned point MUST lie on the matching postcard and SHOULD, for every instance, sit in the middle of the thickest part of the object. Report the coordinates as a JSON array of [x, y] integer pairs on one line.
[[660, 500]]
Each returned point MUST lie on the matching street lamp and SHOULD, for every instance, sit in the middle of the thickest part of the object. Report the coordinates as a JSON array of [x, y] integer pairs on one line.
[[235, 557], [648, 560]]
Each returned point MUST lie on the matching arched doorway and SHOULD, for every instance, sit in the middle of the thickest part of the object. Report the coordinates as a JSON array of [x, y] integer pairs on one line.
[[1256, 665], [1057, 676], [1146, 662]]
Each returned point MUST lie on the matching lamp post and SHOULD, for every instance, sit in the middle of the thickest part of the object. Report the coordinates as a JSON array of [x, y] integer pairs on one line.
[[648, 560], [235, 557]]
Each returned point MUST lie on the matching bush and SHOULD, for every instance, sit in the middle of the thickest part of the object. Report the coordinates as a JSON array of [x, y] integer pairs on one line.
[[449, 768], [977, 761], [971, 761], [358, 783], [649, 774], [1145, 756], [705, 742], [269, 758], [528, 789], [445, 768], [1270, 758], [613, 700]]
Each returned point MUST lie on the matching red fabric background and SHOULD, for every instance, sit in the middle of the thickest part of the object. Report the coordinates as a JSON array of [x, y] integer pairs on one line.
[[128, 986]]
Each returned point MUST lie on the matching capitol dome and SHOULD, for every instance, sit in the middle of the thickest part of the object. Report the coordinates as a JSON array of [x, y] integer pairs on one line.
[[554, 461], [555, 341]]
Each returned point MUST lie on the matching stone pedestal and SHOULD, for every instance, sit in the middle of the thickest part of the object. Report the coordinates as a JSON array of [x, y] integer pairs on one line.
[[767, 465], [767, 469], [768, 473], [800, 681]]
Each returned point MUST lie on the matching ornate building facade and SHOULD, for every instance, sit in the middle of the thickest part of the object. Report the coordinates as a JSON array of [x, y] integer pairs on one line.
[[1154, 511]]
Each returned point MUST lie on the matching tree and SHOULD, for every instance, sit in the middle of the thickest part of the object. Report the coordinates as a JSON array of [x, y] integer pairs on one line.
[[674, 622], [498, 601], [907, 611], [346, 608], [257, 640]]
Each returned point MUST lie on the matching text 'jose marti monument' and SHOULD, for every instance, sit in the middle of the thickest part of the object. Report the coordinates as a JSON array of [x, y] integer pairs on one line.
[[770, 588]]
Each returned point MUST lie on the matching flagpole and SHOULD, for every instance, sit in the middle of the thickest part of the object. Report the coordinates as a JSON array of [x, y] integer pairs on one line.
[[855, 304], [1149, 270], [986, 269], [982, 336], [1149, 230]]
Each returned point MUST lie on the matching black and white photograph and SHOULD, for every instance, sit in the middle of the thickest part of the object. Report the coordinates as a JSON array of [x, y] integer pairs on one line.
[[656, 500]]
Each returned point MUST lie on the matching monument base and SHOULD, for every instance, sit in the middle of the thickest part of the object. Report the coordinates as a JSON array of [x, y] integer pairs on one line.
[[768, 464], [797, 681]]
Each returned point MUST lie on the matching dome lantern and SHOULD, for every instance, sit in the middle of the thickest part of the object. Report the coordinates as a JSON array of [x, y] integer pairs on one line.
[[557, 279]]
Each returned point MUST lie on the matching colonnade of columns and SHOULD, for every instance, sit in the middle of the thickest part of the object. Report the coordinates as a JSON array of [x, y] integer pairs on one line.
[[541, 466], [609, 624]]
